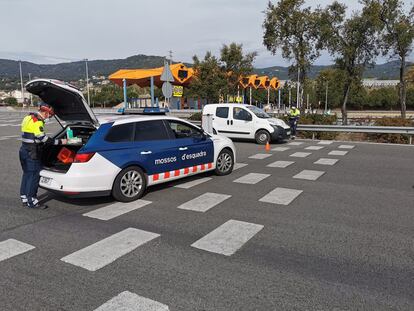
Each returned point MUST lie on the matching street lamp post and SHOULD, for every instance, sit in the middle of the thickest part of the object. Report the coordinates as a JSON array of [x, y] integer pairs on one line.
[[87, 80], [326, 97], [21, 81], [31, 95]]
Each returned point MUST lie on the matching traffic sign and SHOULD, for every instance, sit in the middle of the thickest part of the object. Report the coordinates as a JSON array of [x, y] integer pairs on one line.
[[167, 75], [178, 91], [167, 89]]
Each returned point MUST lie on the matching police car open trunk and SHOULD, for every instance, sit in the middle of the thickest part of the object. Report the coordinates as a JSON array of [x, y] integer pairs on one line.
[[71, 109]]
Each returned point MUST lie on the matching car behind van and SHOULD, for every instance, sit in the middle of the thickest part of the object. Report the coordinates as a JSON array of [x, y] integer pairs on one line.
[[246, 122]]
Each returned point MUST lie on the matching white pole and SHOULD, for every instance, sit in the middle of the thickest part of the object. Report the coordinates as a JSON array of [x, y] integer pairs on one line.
[[31, 95], [87, 81], [290, 97], [298, 90], [21, 81], [326, 97], [278, 104], [250, 95]]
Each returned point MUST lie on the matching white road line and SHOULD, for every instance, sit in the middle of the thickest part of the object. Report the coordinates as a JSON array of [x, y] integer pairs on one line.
[[338, 152], [106, 251], [314, 147], [193, 183], [300, 154], [127, 301], [309, 175], [239, 165], [281, 164], [325, 142], [204, 202], [326, 161], [295, 143], [280, 149], [116, 209], [228, 238], [281, 196], [260, 156], [251, 178], [11, 247], [346, 147]]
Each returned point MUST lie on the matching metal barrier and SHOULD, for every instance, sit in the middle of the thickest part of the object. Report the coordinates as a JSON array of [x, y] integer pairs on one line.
[[357, 129]]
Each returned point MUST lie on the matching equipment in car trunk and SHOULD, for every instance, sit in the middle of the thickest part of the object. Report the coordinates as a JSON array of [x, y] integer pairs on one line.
[[66, 155]]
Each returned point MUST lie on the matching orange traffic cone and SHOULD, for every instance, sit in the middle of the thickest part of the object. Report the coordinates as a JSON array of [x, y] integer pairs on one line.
[[267, 148]]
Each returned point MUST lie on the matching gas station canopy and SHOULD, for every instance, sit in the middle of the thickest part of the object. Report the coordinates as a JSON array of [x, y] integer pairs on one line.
[[141, 77]]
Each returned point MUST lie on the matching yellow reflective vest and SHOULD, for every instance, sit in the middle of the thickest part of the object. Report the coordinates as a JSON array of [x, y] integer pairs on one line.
[[33, 130]]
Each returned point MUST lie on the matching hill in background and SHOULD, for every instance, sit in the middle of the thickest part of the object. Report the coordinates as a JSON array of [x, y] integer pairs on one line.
[[9, 69]]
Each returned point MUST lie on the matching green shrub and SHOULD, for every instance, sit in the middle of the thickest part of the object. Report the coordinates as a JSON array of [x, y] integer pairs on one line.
[[316, 119], [391, 138], [195, 116]]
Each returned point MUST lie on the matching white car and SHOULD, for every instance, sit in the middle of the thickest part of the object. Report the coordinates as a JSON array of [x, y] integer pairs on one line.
[[122, 155], [246, 122]]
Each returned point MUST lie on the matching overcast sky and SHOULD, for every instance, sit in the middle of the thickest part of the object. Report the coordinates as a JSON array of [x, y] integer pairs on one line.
[[51, 31]]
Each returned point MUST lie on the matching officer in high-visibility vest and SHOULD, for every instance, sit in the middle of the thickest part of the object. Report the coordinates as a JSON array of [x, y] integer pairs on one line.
[[294, 114], [33, 139]]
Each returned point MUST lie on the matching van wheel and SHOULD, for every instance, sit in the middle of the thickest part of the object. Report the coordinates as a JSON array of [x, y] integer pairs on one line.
[[262, 137], [224, 163], [129, 185]]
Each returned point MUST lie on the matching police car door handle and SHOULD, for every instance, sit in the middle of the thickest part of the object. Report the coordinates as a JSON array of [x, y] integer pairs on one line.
[[182, 148], [146, 152]]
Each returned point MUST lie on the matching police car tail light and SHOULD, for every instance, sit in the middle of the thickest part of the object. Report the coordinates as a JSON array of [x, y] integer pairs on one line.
[[83, 157]]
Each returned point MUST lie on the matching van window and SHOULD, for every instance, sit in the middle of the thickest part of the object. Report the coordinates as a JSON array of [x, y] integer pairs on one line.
[[241, 114], [222, 112], [150, 130], [182, 130], [120, 133]]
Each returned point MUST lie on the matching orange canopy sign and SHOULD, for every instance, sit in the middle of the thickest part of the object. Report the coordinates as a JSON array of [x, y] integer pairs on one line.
[[141, 77]]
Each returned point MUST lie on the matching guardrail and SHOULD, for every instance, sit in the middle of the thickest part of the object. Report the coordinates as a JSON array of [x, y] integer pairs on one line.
[[357, 129]]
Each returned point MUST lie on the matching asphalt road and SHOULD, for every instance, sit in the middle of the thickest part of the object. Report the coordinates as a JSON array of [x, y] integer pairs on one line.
[[346, 242]]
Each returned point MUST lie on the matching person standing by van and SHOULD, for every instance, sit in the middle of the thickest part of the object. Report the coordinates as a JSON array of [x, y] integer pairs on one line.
[[33, 138], [294, 114]]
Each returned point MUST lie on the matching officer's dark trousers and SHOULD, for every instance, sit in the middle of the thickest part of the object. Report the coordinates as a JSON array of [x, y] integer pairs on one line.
[[30, 179], [293, 124]]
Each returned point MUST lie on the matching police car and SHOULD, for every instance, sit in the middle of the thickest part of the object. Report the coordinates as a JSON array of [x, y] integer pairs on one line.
[[122, 155]]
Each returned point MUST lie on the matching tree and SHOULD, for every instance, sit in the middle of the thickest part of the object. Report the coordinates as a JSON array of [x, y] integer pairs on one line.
[[353, 42], [290, 27], [209, 81], [11, 101], [397, 37], [235, 64]]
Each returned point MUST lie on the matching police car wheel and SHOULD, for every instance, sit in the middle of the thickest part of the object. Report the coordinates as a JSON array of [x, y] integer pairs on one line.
[[129, 185], [262, 137], [224, 163]]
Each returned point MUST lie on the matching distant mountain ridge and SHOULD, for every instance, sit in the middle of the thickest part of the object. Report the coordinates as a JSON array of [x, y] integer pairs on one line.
[[76, 70]]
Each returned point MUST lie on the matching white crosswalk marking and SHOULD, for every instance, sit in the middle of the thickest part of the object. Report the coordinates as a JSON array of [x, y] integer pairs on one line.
[[300, 154], [193, 183], [326, 161], [325, 142], [11, 247], [228, 238], [295, 143], [346, 147], [314, 147], [204, 202], [281, 164], [116, 209], [280, 149], [338, 153], [127, 301], [239, 165], [251, 178], [106, 251], [309, 175], [281, 196], [260, 156]]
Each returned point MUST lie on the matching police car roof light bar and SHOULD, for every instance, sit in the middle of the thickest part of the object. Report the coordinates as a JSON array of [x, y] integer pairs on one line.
[[146, 111]]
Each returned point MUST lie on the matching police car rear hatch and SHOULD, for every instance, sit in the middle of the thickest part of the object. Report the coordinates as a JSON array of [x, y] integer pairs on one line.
[[67, 101]]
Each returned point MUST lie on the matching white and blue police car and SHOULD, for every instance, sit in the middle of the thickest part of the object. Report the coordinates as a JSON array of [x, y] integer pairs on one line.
[[122, 155]]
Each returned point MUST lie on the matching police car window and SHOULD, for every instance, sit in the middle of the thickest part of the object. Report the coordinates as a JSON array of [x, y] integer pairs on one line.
[[182, 130], [120, 133], [222, 112], [150, 130], [240, 114]]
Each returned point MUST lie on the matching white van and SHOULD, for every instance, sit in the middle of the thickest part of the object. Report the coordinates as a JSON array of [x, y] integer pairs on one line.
[[246, 122]]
